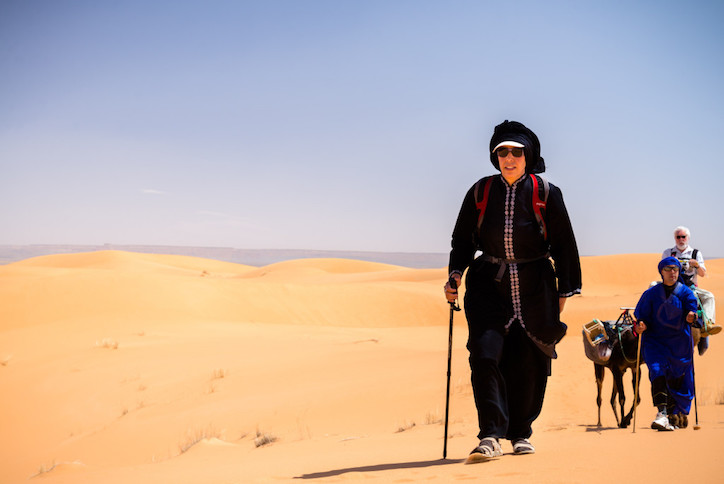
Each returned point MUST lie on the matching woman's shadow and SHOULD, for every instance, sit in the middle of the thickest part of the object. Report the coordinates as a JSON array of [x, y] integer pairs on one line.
[[380, 467]]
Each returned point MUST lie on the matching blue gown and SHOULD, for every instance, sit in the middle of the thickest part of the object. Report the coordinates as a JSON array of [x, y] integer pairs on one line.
[[666, 345]]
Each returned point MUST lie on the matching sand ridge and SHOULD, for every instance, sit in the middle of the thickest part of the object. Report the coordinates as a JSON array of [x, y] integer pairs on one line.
[[119, 367]]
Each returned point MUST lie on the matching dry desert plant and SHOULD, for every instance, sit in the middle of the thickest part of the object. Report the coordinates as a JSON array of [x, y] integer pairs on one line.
[[432, 418], [196, 436], [264, 438], [43, 469], [719, 400], [405, 426], [217, 374]]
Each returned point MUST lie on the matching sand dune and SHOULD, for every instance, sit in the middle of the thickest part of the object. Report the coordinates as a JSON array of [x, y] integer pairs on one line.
[[123, 367]]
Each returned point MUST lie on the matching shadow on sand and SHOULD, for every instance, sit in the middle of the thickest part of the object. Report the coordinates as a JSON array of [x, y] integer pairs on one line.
[[380, 467], [597, 429]]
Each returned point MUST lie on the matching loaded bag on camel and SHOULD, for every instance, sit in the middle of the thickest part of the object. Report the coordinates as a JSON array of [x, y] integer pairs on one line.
[[596, 342]]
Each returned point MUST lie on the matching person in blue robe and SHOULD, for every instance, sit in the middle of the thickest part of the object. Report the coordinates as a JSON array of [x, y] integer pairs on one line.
[[664, 315]]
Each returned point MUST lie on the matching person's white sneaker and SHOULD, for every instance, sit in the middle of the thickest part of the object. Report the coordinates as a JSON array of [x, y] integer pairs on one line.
[[661, 423]]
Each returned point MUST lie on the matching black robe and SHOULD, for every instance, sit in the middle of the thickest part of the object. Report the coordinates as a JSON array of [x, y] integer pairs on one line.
[[528, 291]]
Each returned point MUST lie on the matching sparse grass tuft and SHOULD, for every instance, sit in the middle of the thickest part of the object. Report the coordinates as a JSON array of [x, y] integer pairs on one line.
[[432, 419], [405, 426], [44, 469], [719, 400], [264, 438], [193, 438]]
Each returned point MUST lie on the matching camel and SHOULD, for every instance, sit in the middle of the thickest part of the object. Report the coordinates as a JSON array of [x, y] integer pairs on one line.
[[614, 345]]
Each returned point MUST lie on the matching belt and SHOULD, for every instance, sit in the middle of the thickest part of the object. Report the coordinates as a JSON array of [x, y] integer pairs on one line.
[[503, 263]]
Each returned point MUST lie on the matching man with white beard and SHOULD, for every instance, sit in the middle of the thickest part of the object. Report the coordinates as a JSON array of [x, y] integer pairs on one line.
[[692, 266]]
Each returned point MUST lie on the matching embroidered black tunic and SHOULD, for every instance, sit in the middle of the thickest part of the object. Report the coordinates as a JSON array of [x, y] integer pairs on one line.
[[529, 290]]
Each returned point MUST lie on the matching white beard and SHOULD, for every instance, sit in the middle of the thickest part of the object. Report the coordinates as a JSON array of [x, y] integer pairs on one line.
[[682, 247]]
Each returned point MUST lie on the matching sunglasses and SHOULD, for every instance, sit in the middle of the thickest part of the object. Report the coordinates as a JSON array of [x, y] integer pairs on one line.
[[671, 269], [503, 152], [681, 236]]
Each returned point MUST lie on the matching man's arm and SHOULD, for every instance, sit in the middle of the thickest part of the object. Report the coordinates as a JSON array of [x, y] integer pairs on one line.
[[698, 264]]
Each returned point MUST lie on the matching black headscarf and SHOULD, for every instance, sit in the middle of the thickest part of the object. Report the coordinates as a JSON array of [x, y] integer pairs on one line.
[[515, 131]]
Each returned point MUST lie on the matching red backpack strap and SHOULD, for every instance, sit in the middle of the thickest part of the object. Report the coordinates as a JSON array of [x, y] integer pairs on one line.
[[539, 205], [482, 204]]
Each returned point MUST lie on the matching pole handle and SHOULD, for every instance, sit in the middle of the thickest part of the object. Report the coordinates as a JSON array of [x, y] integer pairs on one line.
[[453, 284]]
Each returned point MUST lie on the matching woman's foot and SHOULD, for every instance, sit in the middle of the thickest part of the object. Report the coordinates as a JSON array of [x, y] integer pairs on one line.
[[488, 448], [523, 446]]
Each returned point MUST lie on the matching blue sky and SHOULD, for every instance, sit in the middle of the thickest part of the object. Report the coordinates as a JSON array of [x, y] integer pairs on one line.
[[353, 125]]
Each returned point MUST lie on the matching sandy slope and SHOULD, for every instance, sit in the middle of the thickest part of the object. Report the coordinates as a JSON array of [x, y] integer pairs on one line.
[[121, 367]]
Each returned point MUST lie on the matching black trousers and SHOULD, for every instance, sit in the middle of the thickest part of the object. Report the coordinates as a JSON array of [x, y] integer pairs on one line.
[[509, 376]]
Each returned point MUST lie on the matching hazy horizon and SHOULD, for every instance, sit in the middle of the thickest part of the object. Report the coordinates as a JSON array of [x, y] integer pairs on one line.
[[253, 257]]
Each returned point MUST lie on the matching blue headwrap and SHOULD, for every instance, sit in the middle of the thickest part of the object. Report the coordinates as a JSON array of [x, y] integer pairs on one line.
[[669, 261]]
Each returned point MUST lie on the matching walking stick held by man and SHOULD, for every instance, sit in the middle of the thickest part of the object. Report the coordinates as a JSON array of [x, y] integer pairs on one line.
[[453, 307], [693, 377], [638, 381]]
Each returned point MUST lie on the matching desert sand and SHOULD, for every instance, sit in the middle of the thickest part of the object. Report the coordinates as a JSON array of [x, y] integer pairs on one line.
[[120, 367]]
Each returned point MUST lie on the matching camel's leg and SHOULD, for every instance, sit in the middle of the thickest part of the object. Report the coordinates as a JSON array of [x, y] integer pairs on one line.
[[629, 415], [617, 389], [621, 395], [599, 370]]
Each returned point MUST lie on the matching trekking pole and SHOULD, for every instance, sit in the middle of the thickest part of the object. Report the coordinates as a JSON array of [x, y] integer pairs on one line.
[[453, 307], [638, 373], [693, 377]]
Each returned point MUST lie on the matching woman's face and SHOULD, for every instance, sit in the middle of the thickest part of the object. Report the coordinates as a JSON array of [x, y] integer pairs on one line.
[[511, 167]]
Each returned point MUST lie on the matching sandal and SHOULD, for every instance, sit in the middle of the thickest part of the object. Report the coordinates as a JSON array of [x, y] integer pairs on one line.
[[523, 446], [487, 449]]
